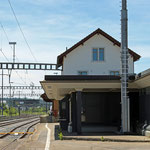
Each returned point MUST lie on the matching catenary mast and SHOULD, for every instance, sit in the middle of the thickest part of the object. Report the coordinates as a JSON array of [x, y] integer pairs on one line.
[[124, 69]]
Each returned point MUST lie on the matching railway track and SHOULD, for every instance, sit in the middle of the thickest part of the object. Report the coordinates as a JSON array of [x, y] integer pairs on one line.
[[8, 118], [8, 122], [18, 132]]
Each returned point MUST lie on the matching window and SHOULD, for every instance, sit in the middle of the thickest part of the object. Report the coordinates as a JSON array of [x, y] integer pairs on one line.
[[82, 72], [114, 73], [95, 54], [101, 54], [98, 54]]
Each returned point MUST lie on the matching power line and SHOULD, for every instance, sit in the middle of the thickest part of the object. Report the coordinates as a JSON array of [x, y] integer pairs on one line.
[[21, 31], [1, 38], [15, 70], [4, 55], [21, 78], [4, 32], [11, 48], [24, 71]]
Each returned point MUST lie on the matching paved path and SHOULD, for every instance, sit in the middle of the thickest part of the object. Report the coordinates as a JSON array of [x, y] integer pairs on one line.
[[92, 145], [41, 138]]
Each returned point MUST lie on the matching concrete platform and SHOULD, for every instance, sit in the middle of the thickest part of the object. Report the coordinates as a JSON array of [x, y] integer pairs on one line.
[[37, 141], [105, 136], [109, 138]]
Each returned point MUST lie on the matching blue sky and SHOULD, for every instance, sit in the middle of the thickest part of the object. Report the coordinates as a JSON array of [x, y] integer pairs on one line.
[[52, 25]]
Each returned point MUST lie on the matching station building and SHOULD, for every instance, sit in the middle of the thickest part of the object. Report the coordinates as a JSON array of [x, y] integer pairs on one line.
[[89, 87]]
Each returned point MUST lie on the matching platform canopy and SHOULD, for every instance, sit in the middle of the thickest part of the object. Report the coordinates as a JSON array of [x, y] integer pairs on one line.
[[56, 87], [142, 80]]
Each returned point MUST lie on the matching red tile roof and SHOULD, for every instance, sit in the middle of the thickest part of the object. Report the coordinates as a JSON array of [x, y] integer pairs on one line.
[[98, 31]]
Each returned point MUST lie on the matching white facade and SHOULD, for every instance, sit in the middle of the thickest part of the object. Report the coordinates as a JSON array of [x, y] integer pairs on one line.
[[80, 59]]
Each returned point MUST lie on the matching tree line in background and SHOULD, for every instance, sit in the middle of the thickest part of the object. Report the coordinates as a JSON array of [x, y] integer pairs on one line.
[[16, 111]]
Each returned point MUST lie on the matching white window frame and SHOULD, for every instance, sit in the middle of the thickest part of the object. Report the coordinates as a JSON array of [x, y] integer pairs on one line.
[[98, 60], [115, 73], [81, 72]]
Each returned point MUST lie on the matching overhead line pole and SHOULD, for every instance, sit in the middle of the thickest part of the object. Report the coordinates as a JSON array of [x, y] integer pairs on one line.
[[2, 95], [2, 92], [12, 43], [125, 106]]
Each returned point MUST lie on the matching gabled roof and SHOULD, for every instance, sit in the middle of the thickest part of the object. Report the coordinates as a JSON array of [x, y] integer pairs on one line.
[[98, 31]]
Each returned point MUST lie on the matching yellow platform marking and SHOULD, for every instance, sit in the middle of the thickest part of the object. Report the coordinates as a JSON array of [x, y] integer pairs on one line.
[[17, 133], [3, 133]]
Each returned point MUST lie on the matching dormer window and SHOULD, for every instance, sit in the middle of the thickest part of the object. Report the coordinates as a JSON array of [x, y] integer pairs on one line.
[[98, 54]]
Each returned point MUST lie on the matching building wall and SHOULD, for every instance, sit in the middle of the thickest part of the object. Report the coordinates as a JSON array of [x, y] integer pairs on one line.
[[144, 105], [80, 59]]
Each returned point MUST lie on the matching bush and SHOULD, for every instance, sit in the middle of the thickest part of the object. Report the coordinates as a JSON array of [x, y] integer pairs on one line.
[[60, 134]]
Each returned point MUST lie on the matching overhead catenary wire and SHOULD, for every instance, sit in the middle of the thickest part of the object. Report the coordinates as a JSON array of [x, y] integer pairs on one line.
[[1, 34], [4, 55], [24, 37], [4, 31], [11, 48], [1, 48], [15, 70]]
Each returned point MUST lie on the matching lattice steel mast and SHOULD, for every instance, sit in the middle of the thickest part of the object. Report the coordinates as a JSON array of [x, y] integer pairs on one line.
[[124, 69]]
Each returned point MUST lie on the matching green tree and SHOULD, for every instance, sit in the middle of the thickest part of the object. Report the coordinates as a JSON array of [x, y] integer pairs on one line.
[[12, 111]]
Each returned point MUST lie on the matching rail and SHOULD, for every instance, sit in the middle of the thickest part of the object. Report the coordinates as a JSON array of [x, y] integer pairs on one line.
[[8, 122], [21, 134]]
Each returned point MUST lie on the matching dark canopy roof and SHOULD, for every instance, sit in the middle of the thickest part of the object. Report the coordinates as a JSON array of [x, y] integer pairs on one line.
[[45, 98], [80, 77], [98, 31]]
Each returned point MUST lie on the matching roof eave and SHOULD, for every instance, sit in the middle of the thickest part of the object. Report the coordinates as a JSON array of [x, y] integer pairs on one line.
[[98, 31]]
